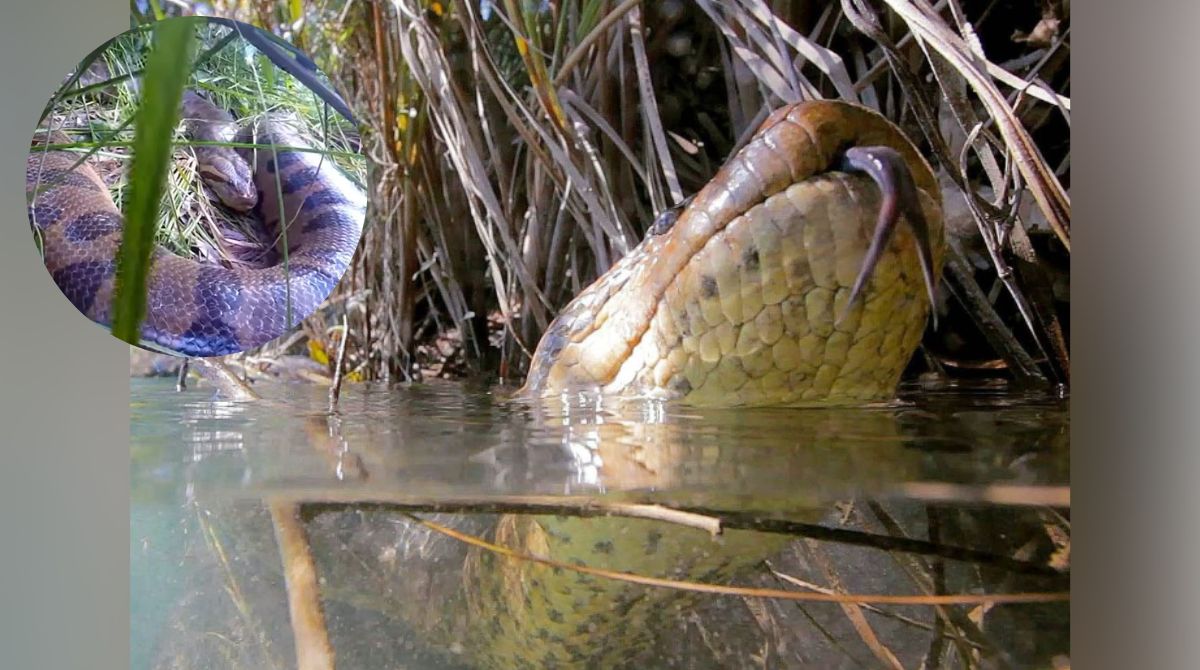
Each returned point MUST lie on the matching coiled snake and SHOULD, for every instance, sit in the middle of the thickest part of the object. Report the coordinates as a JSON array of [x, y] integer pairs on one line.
[[193, 308]]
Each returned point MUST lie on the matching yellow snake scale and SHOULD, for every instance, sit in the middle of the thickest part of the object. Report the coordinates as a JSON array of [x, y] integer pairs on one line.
[[194, 308], [746, 298]]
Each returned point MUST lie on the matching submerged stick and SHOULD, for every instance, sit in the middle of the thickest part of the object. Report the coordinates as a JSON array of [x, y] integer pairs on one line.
[[710, 524], [313, 650], [590, 507]]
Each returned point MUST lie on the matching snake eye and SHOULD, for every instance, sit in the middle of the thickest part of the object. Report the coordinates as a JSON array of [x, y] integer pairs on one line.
[[666, 219], [663, 222], [214, 174]]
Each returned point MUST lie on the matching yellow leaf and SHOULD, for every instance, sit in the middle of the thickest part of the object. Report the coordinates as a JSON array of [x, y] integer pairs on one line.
[[317, 352]]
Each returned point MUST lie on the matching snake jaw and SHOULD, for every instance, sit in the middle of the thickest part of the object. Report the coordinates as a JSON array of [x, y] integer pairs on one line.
[[892, 175]]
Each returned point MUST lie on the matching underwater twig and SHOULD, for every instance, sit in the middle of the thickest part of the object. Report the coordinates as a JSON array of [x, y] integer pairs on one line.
[[236, 596], [1005, 494], [313, 650], [711, 525], [885, 656], [791, 579], [585, 506]]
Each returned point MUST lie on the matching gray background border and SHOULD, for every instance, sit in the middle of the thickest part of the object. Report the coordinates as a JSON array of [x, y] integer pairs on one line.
[[1136, 327], [64, 390]]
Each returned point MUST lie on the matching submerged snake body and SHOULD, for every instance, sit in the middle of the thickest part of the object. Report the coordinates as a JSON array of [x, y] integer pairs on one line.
[[193, 308], [738, 301]]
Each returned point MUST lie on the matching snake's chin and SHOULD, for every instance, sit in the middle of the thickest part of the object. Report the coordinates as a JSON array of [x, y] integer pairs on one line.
[[237, 201], [241, 205]]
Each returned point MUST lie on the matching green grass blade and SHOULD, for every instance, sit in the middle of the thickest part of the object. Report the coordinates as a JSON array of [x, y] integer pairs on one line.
[[156, 7], [167, 68]]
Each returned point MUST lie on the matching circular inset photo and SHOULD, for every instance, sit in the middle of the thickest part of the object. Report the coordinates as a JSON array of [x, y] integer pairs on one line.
[[196, 187]]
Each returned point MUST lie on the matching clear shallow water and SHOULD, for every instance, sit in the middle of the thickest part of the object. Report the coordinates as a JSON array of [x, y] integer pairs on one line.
[[958, 468]]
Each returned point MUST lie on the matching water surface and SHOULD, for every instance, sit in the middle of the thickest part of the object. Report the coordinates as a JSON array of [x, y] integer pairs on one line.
[[961, 470]]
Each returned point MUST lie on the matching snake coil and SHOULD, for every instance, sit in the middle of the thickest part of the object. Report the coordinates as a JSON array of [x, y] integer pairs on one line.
[[194, 308]]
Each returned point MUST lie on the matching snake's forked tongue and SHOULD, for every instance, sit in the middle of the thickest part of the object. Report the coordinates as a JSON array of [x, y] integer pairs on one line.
[[887, 168]]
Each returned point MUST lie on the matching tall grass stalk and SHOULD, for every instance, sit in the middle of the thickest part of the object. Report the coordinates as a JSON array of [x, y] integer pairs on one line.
[[166, 70]]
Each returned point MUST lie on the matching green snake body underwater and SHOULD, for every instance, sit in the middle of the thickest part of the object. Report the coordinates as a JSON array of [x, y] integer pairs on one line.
[[194, 308]]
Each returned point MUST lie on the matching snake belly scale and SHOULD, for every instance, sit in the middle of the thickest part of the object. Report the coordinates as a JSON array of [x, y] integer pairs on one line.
[[195, 308]]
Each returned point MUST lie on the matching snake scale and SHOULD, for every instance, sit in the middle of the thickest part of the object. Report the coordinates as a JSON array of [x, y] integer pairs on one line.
[[195, 308], [784, 281]]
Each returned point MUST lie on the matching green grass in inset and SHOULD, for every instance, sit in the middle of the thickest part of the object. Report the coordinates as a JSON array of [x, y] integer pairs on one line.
[[167, 69]]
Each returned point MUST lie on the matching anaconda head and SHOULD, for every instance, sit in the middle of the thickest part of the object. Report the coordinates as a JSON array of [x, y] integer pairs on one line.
[[223, 169], [229, 177], [744, 298]]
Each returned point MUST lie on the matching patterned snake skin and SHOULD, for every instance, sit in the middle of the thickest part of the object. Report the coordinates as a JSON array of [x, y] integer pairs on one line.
[[193, 308], [781, 283]]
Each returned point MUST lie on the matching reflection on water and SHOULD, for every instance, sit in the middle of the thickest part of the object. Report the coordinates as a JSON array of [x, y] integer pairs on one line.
[[913, 479]]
